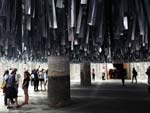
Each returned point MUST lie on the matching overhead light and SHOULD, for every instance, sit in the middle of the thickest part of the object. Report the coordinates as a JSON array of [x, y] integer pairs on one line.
[[121, 34], [125, 22], [100, 49], [85, 48], [25, 48], [76, 42]]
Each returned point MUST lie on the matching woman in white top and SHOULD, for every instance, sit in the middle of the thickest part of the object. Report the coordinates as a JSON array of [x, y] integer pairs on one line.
[[45, 79], [41, 77]]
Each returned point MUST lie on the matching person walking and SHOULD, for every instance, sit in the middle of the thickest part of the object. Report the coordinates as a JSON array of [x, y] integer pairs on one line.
[[123, 75], [134, 72]]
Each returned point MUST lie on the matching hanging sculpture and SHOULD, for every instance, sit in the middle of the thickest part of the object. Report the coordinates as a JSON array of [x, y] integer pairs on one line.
[[84, 30]]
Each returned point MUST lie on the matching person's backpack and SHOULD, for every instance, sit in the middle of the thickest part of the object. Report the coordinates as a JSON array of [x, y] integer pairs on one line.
[[11, 81]]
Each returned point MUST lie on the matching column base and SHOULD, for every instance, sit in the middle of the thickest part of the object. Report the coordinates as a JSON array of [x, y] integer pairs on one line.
[[60, 104], [59, 91]]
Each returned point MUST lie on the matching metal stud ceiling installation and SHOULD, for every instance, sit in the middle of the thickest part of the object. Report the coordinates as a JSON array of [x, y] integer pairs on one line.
[[84, 30]]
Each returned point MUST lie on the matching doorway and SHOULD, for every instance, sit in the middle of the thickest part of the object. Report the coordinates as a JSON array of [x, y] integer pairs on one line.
[[115, 69]]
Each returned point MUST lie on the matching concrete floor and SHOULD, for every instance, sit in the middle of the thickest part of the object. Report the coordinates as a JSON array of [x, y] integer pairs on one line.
[[102, 97]]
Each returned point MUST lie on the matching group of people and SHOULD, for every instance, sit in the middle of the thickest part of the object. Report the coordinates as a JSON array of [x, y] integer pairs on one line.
[[39, 77], [123, 73], [10, 89], [135, 74], [11, 85], [93, 75]]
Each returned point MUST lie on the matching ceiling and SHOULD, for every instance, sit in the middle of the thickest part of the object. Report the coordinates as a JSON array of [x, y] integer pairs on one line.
[[84, 30]]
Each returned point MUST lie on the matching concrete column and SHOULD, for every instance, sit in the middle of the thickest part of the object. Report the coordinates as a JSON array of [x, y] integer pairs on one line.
[[58, 81], [85, 75]]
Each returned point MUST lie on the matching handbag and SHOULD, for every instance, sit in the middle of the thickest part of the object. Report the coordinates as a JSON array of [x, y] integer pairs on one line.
[[3, 85]]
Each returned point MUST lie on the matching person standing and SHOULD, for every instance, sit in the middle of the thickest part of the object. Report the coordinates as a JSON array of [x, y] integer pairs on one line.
[[93, 74], [123, 75], [45, 79], [25, 86], [41, 78], [11, 91], [5, 77], [148, 74], [17, 77], [32, 78], [134, 72], [36, 80], [103, 73]]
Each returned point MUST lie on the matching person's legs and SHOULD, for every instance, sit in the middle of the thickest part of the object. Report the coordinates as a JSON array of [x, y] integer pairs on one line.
[[8, 96], [5, 99], [41, 83], [136, 79], [32, 82], [35, 85], [12, 100], [93, 77], [26, 99], [14, 95], [132, 79], [25, 96], [16, 100], [8, 103], [45, 83], [149, 89], [122, 81]]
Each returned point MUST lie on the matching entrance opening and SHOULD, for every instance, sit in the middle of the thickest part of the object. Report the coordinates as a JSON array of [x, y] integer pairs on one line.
[[117, 69], [114, 72]]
